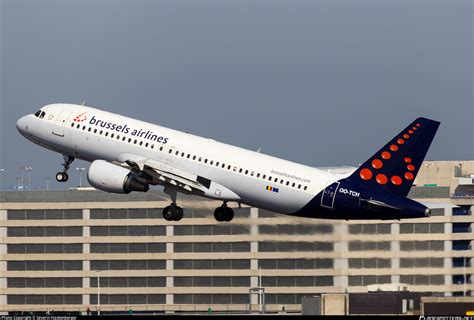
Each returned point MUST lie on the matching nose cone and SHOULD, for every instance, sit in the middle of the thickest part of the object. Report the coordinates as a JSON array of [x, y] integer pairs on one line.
[[22, 124]]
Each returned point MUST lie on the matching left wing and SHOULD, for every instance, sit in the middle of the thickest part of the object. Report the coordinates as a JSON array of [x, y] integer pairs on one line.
[[156, 172]]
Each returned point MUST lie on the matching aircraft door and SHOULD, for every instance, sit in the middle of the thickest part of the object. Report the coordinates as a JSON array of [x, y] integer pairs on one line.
[[61, 122], [329, 193]]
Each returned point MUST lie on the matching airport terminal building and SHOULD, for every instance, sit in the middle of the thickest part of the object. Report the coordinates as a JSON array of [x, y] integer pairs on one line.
[[58, 246]]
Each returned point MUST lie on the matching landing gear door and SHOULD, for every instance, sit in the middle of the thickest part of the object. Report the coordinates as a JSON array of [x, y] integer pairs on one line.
[[329, 194], [61, 122]]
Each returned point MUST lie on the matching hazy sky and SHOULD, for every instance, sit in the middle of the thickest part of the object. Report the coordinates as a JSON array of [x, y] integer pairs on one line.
[[317, 82]]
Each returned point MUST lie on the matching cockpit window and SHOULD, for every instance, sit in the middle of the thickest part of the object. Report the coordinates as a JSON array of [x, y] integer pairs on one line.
[[40, 114]]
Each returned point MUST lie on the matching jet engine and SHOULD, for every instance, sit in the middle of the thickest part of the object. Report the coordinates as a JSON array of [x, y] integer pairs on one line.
[[109, 177]]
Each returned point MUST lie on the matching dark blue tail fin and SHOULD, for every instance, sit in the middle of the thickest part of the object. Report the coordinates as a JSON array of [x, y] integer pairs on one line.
[[394, 167]]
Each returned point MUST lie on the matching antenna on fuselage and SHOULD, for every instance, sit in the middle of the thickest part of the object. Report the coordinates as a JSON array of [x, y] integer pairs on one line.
[[259, 149], [83, 103]]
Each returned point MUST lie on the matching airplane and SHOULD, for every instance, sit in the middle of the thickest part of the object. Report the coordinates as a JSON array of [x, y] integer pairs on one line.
[[130, 155]]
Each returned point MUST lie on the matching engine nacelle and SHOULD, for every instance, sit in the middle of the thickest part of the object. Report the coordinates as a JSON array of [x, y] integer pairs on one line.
[[109, 177]]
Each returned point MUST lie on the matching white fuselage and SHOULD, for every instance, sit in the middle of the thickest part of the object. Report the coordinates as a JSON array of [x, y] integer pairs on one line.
[[90, 134]]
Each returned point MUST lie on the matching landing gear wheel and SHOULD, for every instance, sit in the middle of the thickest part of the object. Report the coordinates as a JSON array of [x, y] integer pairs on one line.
[[168, 213], [219, 214], [179, 213], [173, 213], [228, 214], [224, 214], [62, 176]]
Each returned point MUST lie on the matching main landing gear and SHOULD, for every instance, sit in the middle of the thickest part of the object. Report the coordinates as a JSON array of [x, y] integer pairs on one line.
[[173, 212], [224, 213], [63, 176]]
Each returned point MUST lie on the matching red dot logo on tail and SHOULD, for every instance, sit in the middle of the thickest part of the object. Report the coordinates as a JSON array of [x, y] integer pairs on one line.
[[377, 163], [386, 155], [381, 179], [366, 174], [396, 180]]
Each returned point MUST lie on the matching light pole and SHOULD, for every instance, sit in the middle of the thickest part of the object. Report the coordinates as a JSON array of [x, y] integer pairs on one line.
[[465, 275], [21, 180], [28, 169], [98, 292], [3, 182], [428, 165], [81, 170], [47, 183]]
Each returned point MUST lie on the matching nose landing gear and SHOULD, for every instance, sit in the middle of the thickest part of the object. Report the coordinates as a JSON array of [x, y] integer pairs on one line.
[[63, 176]]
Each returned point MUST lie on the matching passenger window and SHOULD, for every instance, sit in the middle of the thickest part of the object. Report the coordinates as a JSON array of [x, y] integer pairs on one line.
[[101, 132], [299, 186], [264, 176], [123, 138], [72, 125], [89, 129], [293, 185], [169, 151], [141, 142], [129, 140], [235, 168], [152, 146], [270, 178], [246, 171], [251, 173], [288, 182], [78, 126], [146, 145], [112, 135], [217, 163], [182, 154], [177, 153], [194, 157], [205, 160], [228, 167], [211, 163], [305, 187], [200, 158], [188, 156], [106, 133], [161, 148], [95, 130], [135, 142]]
